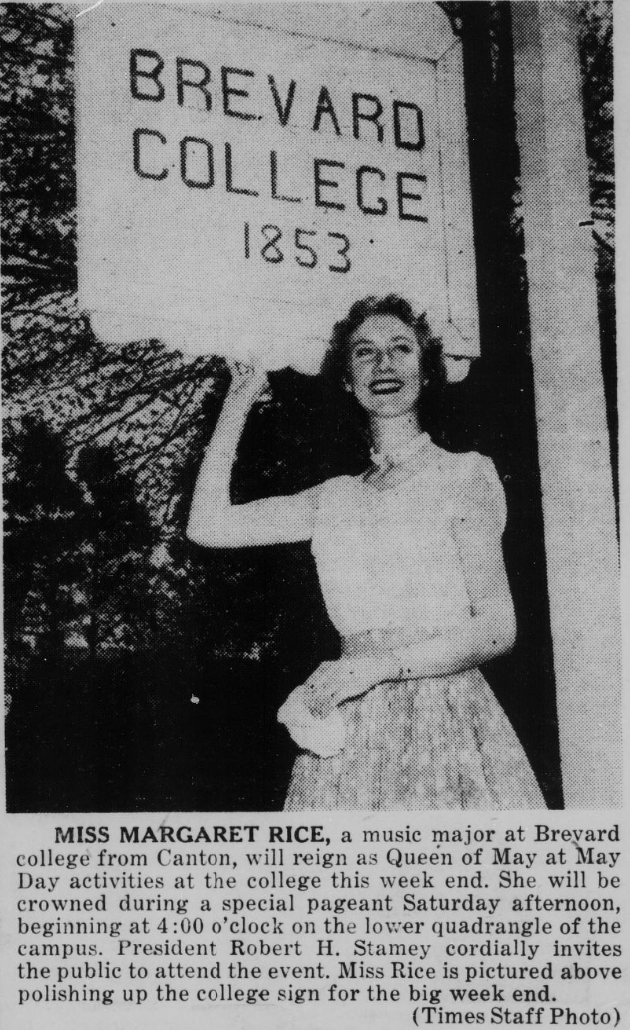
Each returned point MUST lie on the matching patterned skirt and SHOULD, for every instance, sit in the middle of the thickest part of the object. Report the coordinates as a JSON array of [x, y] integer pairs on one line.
[[442, 743]]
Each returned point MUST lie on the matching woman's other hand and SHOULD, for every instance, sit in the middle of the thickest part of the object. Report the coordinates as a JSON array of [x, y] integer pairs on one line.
[[332, 683]]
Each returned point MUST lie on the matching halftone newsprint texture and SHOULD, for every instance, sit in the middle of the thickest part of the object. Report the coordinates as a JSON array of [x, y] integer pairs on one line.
[[242, 178], [311, 497]]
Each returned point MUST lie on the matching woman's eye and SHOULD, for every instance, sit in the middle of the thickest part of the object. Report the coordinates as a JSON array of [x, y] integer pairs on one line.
[[404, 348], [363, 352]]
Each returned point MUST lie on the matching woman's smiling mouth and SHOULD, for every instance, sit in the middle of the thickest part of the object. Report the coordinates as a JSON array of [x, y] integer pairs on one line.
[[386, 384]]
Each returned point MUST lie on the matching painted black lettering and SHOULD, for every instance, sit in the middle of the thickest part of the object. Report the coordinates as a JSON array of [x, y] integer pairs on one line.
[[404, 194], [232, 91], [305, 248], [341, 252], [188, 153], [271, 251], [186, 67], [381, 203], [373, 116], [229, 176], [137, 166], [418, 128], [325, 106], [320, 163], [273, 157], [284, 112], [152, 75]]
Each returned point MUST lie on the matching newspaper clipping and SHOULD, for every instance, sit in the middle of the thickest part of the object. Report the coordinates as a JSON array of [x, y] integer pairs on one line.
[[312, 620]]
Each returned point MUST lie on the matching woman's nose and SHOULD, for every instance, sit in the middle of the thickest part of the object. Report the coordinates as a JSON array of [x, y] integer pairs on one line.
[[385, 358]]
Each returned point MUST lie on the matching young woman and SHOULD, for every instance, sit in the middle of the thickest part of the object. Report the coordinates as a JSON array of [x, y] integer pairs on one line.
[[410, 562]]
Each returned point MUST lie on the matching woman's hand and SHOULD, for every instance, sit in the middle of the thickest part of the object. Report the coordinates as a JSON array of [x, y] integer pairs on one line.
[[247, 385], [335, 682]]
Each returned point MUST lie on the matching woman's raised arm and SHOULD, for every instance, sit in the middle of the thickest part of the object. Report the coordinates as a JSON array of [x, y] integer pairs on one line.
[[214, 521]]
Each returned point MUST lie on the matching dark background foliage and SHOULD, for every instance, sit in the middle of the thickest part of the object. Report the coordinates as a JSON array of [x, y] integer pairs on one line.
[[141, 672]]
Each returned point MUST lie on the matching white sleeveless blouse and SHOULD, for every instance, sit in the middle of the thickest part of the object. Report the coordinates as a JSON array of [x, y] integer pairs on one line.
[[389, 559]]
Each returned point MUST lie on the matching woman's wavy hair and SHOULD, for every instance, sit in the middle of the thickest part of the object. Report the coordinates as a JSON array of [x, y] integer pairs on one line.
[[335, 364]]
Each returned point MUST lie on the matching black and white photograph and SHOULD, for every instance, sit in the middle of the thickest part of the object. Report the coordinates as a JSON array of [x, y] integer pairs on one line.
[[309, 393]]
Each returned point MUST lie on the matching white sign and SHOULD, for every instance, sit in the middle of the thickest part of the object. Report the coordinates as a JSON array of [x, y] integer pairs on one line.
[[240, 186]]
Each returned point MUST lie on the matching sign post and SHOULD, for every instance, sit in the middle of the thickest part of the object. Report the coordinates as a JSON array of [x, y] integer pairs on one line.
[[578, 504]]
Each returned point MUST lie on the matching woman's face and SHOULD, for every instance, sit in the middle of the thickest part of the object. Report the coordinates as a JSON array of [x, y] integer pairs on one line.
[[385, 366]]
